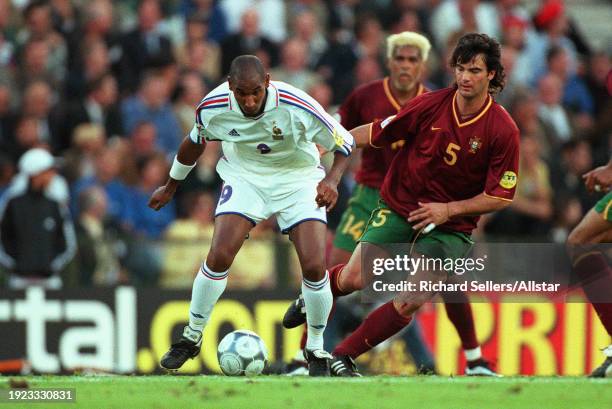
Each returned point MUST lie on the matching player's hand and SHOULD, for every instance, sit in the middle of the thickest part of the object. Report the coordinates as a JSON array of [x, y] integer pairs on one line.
[[599, 179], [436, 213], [161, 197], [327, 194]]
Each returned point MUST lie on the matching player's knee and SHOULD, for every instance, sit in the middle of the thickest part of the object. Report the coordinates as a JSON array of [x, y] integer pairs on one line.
[[581, 235], [313, 270], [405, 309], [219, 259], [577, 236]]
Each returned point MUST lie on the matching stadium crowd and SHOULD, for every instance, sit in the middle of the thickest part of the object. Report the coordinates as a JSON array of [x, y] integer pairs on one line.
[[109, 89]]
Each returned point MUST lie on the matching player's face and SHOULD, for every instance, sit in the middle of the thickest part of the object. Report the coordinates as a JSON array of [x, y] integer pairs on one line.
[[472, 78], [406, 68], [250, 93]]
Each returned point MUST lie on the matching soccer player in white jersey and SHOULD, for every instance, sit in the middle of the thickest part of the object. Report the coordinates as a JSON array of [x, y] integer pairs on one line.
[[270, 166]]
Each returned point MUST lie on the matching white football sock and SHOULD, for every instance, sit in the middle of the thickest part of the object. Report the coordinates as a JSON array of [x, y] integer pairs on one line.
[[318, 301], [472, 354], [207, 288]]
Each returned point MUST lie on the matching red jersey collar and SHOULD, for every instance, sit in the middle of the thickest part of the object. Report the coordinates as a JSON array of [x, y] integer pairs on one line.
[[483, 110]]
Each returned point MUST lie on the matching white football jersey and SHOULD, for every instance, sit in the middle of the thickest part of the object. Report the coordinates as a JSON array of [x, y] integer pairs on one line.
[[280, 142]]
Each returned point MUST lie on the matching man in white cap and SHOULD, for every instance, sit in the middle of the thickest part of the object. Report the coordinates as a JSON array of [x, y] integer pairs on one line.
[[37, 237]]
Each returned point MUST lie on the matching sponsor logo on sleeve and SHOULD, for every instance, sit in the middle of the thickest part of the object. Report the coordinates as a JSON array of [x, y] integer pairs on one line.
[[508, 180]]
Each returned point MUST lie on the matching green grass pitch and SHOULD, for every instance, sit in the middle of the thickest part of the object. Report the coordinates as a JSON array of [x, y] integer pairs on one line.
[[271, 392]]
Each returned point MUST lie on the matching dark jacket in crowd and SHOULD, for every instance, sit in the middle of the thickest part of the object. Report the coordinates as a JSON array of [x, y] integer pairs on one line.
[[37, 237]]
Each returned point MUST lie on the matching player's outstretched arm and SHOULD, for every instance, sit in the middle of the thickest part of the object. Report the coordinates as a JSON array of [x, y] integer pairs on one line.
[[361, 134], [327, 189], [599, 179], [185, 160]]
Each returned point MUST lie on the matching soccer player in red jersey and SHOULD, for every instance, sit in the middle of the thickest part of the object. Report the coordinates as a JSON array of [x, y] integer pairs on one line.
[[407, 55], [590, 262], [459, 160]]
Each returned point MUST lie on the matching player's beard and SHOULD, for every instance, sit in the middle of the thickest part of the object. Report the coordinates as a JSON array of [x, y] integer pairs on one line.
[[404, 86]]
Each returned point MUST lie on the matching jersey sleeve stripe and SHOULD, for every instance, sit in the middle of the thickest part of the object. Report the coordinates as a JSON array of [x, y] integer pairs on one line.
[[497, 197], [219, 105], [305, 108], [289, 95], [226, 95]]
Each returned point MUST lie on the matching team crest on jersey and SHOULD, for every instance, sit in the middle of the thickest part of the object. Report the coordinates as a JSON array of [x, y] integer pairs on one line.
[[277, 133], [338, 139], [475, 144]]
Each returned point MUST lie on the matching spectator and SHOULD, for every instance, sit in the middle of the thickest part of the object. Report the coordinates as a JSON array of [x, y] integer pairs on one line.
[[552, 115], [37, 235], [367, 70], [153, 171], [144, 47], [453, 16], [576, 159], [152, 104], [39, 27], [107, 167], [198, 54], [186, 238], [98, 264], [552, 22], [99, 106], [307, 29], [34, 65], [576, 96], [524, 109], [95, 63], [599, 68], [143, 141], [271, 13], [7, 47], [189, 94], [249, 40], [530, 213], [27, 136], [293, 68], [88, 140], [144, 257], [370, 39], [210, 11], [515, 37], [7, 171], [7, 117], [38, 103]]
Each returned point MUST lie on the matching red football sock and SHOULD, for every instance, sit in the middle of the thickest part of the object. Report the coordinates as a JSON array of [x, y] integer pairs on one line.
[[379, 325], [334, 275], [459, 312], [596, 279]]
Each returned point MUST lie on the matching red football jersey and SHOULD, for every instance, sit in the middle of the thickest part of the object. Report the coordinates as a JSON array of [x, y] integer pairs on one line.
[[447, 159], [369, 103]]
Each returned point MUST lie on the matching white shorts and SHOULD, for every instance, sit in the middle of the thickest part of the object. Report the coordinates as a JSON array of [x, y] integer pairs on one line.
[[292, 203]]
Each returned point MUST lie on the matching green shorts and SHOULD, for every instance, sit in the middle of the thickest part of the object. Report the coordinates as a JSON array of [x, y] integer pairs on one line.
[[355, 218], [386, 227], [604, 205]]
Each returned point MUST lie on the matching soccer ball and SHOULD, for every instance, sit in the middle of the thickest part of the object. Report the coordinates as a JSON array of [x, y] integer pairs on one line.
[[242, 352]]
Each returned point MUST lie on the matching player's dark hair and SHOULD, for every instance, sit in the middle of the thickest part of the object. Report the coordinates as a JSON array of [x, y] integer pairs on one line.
[[472, 44], [246, 66]]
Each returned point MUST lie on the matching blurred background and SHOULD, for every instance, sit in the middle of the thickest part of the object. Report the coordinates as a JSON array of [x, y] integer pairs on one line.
[[110, 87]]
